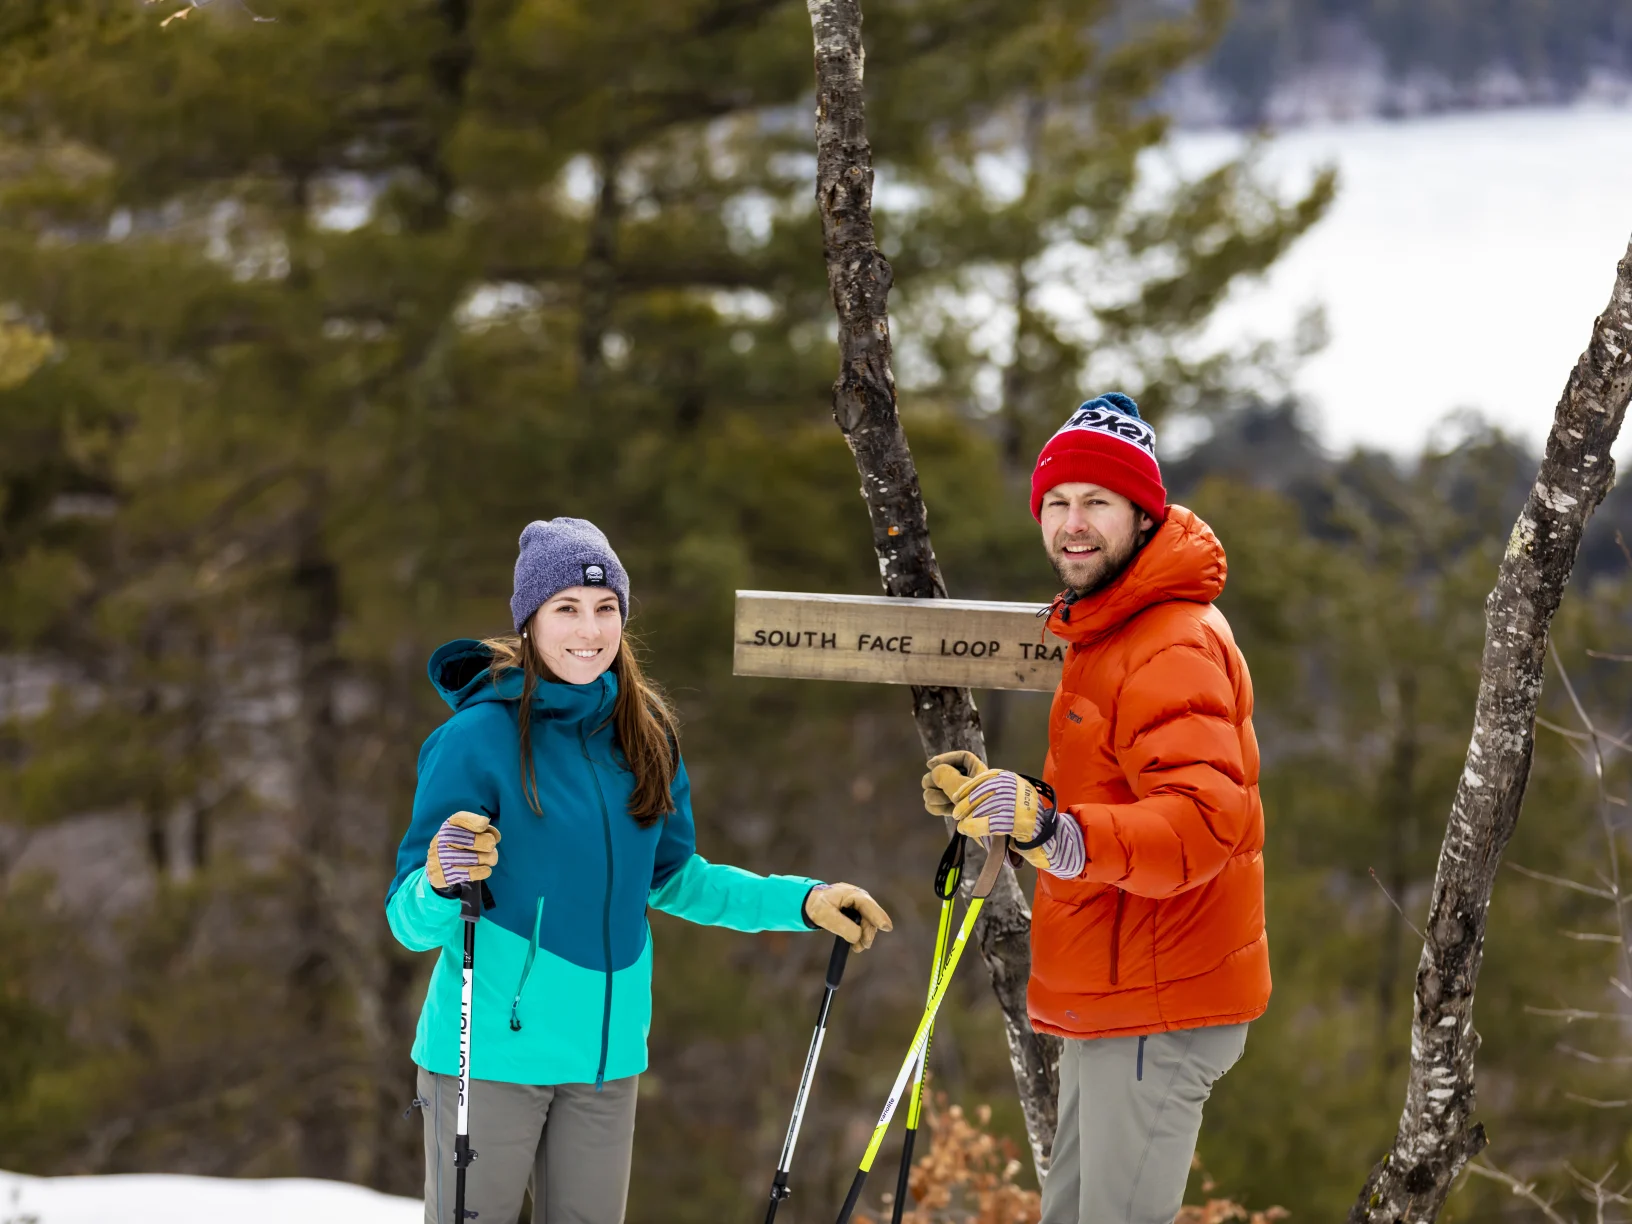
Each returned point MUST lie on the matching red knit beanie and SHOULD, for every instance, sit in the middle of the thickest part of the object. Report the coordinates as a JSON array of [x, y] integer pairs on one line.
[[1104, 443]]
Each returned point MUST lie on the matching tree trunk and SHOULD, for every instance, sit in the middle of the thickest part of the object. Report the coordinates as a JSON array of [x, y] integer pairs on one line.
[[864, 406], [317, 983], [1435, 1138], [599, 274]]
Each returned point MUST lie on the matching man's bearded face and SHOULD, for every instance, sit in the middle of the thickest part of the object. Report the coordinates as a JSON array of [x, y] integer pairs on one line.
[[1091, 534]]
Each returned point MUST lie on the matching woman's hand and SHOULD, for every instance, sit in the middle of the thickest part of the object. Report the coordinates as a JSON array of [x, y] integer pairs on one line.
[[825, 905], [464, 850]]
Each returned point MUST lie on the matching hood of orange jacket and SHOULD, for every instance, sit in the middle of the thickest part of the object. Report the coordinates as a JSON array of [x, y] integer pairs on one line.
[[1152, 752]]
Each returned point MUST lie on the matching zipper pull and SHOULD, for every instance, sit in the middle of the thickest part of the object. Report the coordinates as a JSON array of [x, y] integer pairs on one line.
[[515, 1017]]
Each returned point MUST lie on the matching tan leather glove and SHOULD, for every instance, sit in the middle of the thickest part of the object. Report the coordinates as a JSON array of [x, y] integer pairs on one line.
[[958, 768], [825, 905], [1000, 803], [464, 850]]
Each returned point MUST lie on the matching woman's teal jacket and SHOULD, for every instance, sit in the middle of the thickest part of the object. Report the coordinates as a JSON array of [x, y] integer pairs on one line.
[[564, 958]]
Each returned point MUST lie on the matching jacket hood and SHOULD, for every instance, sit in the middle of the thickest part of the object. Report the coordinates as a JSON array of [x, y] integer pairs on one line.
[[1182, 560], [459, 670]]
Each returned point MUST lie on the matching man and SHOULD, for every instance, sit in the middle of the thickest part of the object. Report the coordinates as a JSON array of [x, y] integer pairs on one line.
[[1148, 948]]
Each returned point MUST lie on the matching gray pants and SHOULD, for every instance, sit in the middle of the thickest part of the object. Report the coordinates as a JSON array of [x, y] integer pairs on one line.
[[1130, 1112], [569, 1142]]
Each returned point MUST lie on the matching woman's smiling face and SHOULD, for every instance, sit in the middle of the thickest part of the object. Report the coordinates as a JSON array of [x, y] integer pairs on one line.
[[577, 633]]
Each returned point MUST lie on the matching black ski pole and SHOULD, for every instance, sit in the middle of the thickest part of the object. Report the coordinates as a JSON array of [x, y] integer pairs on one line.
[[835, 974], [947, 875], [983, 888], [470, 897]]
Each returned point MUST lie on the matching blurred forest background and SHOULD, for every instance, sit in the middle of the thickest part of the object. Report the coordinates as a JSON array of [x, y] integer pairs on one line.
[[300, 322]]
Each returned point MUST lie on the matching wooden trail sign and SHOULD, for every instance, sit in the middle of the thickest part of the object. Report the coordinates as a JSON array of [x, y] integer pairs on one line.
[[961, 643]]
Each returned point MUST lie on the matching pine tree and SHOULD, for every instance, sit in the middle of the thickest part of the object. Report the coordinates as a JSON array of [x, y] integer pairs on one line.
[[334, 305]]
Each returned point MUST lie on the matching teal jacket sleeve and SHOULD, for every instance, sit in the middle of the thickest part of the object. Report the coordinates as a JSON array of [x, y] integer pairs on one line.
[[688, 886], [421, 918], [455, 775]]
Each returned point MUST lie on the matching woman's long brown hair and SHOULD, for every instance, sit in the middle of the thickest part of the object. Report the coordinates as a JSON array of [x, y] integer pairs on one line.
[[647, 731]]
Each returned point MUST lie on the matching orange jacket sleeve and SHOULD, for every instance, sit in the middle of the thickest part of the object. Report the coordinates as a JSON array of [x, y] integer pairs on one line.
[[1179, 747]]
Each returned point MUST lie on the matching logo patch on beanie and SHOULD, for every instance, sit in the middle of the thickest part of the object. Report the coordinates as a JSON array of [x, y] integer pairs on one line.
[[594, 575], [1098, 419]]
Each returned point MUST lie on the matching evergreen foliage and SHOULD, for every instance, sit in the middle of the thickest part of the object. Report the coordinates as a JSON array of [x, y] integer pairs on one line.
[[302, 321]]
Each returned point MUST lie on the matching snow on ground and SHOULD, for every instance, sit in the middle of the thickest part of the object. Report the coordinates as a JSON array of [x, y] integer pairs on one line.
[[155, 1198], [1461, 266]]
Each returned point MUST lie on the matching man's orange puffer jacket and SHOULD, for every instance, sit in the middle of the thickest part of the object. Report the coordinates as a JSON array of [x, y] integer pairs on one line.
[[1151, 750]]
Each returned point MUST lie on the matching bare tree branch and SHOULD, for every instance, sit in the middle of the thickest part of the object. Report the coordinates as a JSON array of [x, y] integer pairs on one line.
[[1520, 1189], [1563, 883], [1606, 821], [864, 405], [1373, 872], [1572, 1014], [1618, 741], [1436, 1136], [1614, 1060]]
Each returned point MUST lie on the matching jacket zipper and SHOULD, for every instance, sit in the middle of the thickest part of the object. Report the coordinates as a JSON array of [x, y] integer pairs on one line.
[[1116, 932], [527, 967], [606, 917]]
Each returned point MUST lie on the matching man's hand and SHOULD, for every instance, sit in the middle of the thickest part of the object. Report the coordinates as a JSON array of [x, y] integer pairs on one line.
[[464, 850], [947, 773], [990, 802], [825, 905]]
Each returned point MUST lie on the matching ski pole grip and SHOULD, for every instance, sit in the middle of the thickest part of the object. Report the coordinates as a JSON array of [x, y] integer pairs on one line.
[[470, 901], [840, 954]]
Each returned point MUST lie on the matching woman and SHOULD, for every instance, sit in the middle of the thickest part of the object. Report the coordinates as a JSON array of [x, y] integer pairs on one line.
[[558, 745]]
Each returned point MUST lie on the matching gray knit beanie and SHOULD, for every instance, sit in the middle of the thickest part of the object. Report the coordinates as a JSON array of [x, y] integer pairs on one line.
[[561, 553]]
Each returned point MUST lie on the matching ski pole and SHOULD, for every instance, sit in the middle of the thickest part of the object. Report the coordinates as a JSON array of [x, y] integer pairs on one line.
[[470, 897], [995, 858], [835, 974], [946, 888]]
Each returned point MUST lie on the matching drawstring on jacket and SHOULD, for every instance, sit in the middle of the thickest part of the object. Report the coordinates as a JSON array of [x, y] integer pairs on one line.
[[527, 967], [1061, 604]]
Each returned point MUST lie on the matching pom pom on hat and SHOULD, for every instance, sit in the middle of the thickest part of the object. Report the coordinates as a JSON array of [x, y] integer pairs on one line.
[[1104, 442]]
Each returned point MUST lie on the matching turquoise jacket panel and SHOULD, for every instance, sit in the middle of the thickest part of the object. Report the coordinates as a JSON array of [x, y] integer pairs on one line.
[[562, 990]]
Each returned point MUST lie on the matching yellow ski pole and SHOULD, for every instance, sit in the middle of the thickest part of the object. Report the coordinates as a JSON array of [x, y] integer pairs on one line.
[[983, 887], [946, 888]]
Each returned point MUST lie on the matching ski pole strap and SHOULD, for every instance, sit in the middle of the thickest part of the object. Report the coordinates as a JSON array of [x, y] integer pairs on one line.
[[995, 858], [950, 869], [1047, 819]]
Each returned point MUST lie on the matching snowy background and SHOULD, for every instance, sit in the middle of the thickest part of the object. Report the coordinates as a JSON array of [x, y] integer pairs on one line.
[[159, 1199], [1460, 267]]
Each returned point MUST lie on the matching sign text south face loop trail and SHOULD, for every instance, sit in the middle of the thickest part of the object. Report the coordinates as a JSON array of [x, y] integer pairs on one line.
[[962, 643]]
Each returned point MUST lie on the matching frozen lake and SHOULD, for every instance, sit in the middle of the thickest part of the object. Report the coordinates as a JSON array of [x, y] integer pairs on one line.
[[1461, 265]]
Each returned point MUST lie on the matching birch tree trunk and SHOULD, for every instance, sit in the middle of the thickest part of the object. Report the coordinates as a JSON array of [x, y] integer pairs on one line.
[[864, 406], [1435, 1138]]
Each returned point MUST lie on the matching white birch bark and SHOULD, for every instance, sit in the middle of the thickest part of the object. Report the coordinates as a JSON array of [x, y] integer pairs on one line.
[[1437, 1136]]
